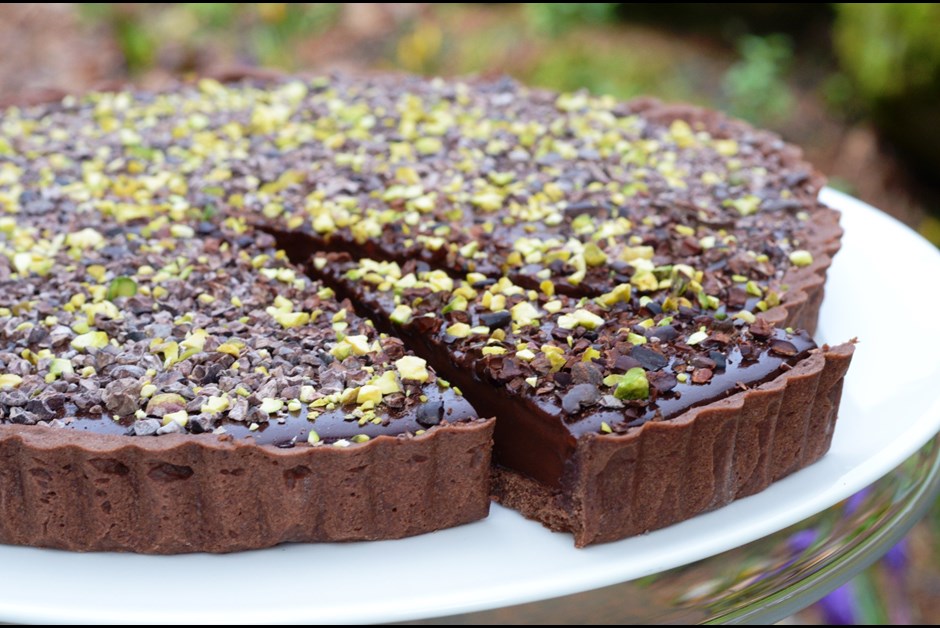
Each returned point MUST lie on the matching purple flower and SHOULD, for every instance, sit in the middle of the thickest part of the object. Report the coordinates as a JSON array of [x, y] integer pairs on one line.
[[896, 559], [839, 607], [802, 540], [854, 502]]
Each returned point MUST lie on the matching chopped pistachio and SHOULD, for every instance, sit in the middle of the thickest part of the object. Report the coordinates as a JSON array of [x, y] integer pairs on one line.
[[289, 320], [524, 313], [231, 347], [182, 231], [369, 393], [593, 255], [801, 258], [271, 405], [401, 314], [181, 417], [85, 239], [697, 337], [215, 404], [412, 368], [9, 381], [555, 355], [620, 294], [121, 287], [581, 317], [307, 393], [633, 385], [313, 438], [590, 354], [91, 339], [458, 330], [746, 205], [525, 354], [60, 366], [388, 383]]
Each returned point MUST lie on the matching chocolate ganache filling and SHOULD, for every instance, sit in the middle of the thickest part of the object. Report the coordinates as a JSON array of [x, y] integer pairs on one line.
[[565, 368]]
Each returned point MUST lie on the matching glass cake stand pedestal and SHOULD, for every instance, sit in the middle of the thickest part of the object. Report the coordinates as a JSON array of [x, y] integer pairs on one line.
[[763, 581]]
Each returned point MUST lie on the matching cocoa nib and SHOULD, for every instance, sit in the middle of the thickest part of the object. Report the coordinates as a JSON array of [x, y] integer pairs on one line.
[[580, 396], [120, 397]]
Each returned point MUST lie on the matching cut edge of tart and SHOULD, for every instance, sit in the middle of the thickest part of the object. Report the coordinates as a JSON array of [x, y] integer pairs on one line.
[[593, 473], [666, 472]]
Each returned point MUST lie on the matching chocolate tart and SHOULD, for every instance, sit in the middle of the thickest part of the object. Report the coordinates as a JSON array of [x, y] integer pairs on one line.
[[215, 400], [656, 261]]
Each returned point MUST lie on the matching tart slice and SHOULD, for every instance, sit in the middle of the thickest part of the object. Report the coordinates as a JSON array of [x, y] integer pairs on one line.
[[166, 391], [619, 414]]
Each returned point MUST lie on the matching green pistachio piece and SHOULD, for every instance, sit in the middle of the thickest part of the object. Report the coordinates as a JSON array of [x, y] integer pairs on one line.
[[413, 368], [215, 404], [524, 313], [634, 385], [180, 416], [96, 339], [525, 354], [121, 287], [801, 258], [288, 320], [369, 392], [593, 255], [401, 315], [584, 318], [388, 383], [9, 381], [270, 405], [458, 330], [60, 366]]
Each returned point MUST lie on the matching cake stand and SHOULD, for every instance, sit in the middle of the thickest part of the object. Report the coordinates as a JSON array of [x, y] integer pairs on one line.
[[756, 560], [763, 581]]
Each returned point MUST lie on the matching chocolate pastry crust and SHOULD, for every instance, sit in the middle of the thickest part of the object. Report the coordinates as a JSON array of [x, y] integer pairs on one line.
[[198, 493]]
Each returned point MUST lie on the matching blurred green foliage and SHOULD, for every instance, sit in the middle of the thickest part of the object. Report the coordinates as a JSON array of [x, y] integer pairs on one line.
[[889, 49], [891, 52], [556, 18], [756, 85], [261, 33]]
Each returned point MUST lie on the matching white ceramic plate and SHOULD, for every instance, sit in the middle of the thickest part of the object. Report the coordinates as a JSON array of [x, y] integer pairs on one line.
[[883, 288]]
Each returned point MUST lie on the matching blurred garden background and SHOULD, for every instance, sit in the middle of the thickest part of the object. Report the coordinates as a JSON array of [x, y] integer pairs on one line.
[[858, 86]]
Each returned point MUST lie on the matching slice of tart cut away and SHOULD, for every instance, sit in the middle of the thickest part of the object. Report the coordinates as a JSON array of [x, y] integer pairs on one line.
[[619, 414]]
